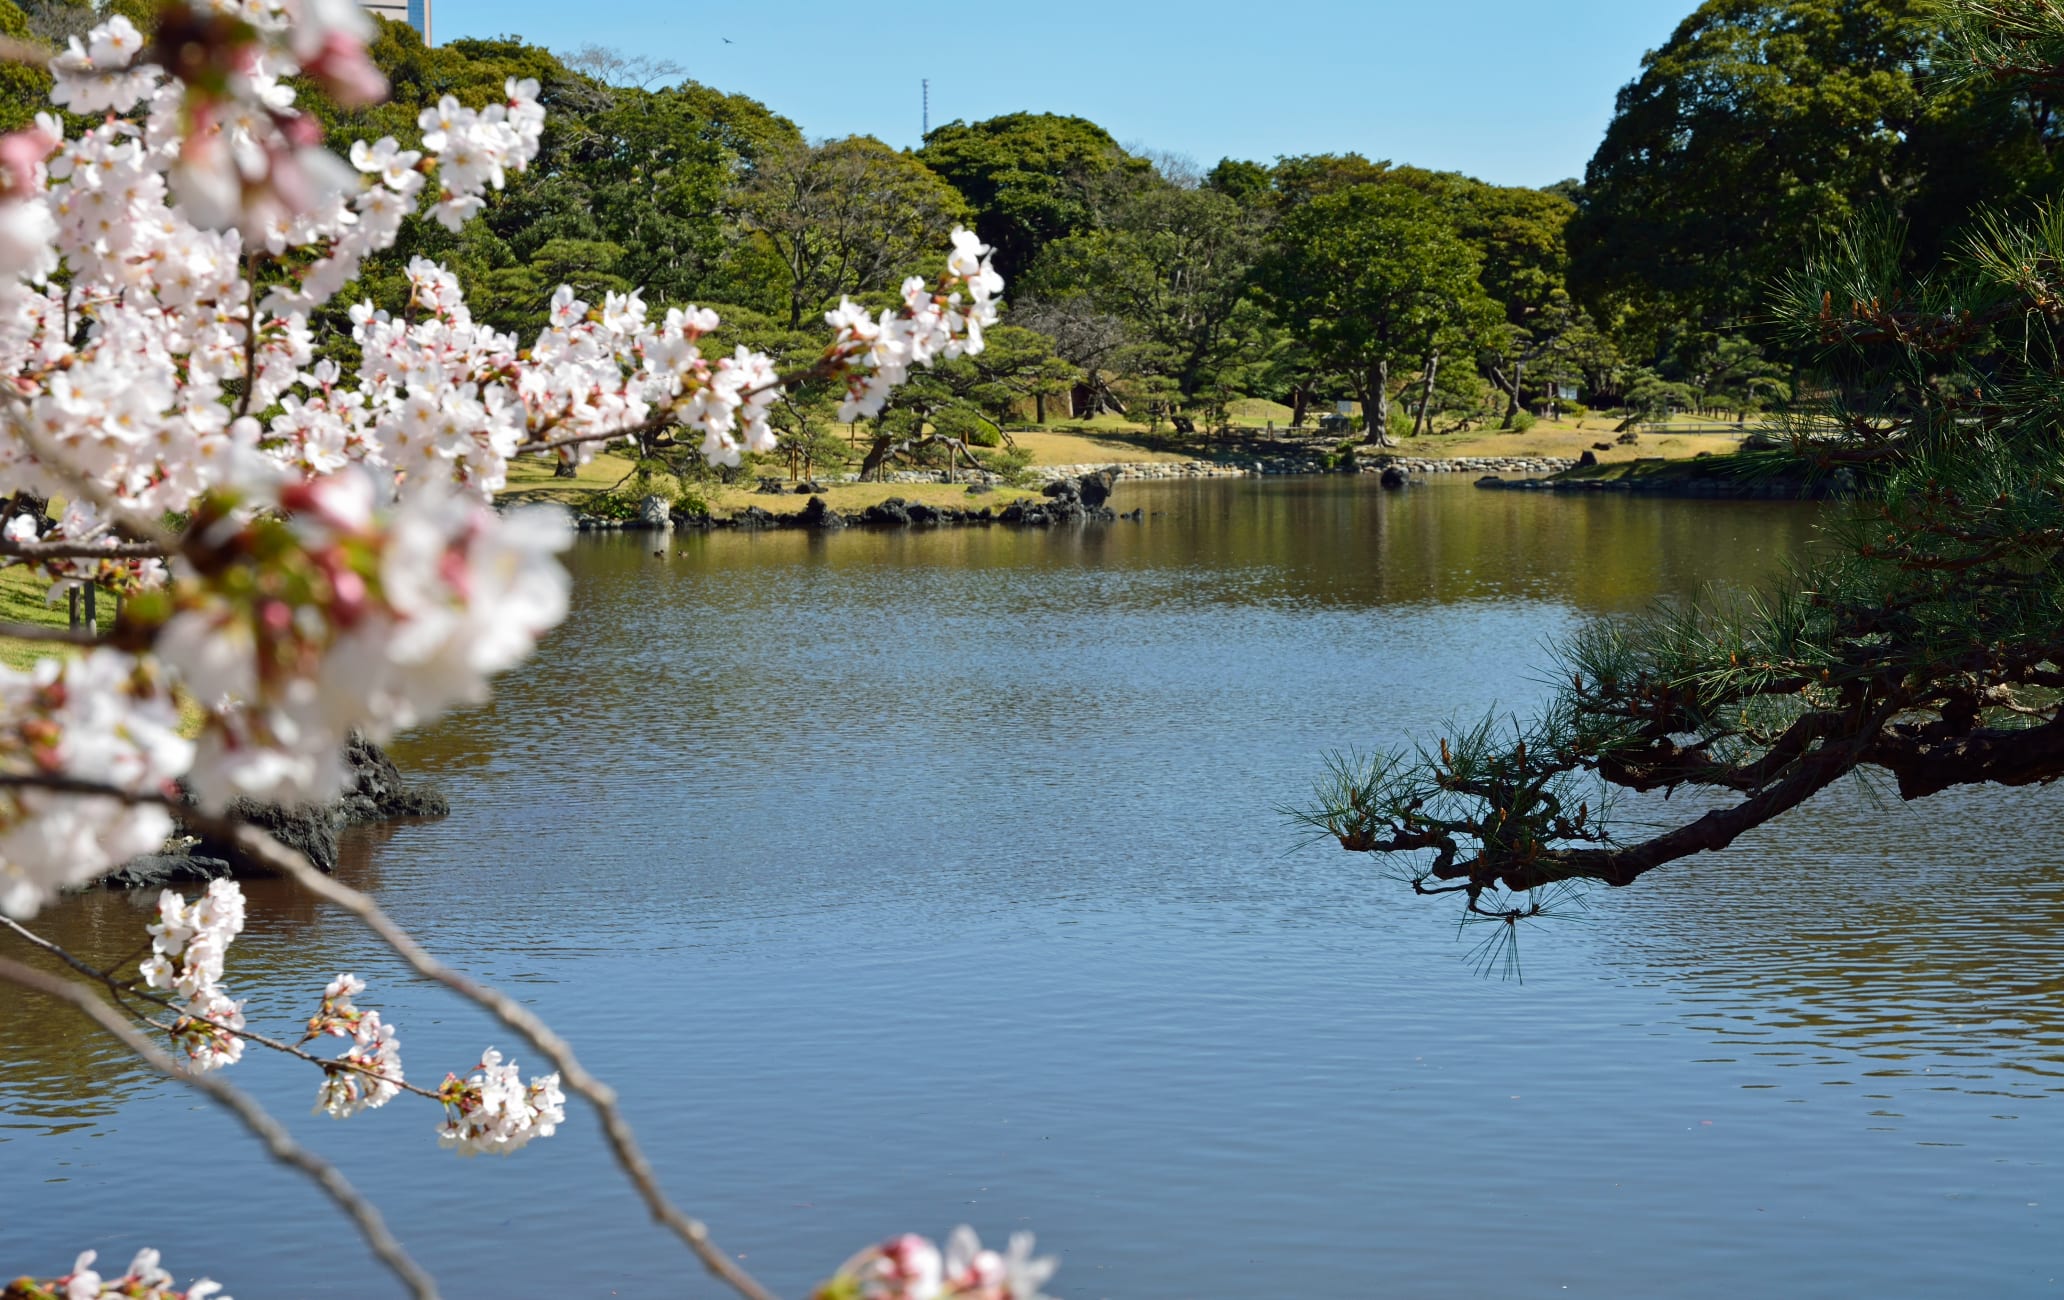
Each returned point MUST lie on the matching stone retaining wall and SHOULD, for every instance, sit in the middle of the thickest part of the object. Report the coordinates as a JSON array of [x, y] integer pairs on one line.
[[1180, 469]]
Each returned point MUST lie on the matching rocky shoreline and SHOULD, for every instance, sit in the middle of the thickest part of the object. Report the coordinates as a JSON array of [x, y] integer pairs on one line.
[[1689, 483], [376, 792], [1135, 471], [1068, 500], [1075, 493]]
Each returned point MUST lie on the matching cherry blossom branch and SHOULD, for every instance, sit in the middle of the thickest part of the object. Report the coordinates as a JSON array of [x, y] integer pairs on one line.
[[83, 550], [42, 632], [829, 366], [97, 493], [623, 1145], [57, 784], [128, 988], [269, 1131]]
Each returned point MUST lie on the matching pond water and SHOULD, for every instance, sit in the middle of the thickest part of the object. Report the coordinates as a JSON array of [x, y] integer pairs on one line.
[[903, 880]]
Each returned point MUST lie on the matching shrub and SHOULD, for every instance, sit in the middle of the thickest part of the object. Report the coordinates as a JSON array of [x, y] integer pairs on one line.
[[1012, 465], [1521, 422]]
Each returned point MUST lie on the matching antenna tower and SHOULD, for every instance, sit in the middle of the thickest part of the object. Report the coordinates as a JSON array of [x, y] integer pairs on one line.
[[927, 84]]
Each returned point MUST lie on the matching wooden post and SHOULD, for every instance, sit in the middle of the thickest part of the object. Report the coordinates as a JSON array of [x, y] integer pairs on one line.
[[72, 602], [92, 620]]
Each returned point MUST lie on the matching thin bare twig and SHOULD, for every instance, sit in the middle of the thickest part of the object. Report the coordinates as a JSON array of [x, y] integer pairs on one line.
[[18, 51], [83, 550], [128, 988], [262, 1126], [261, 849], [57, 784], [51, 635], [623, 1144]]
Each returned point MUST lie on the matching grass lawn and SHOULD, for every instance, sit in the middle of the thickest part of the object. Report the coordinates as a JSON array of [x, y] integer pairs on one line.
[[1569, 439], [1109, 440], [1097, 445], [531, 480], [21, 601]]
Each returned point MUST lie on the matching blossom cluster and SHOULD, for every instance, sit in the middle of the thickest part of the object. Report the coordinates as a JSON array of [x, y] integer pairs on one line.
[[370, 1076], [188, 944], [345, 616], [145, 1279], [911, 1267], [494, 1111], [342, 568], [930, 325], [105, 718]]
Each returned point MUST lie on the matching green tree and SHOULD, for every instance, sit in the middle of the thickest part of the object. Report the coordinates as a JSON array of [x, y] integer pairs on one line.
[[1926, 638], [1763, 126], [847, 217], [1300, 179], [1175, 264], [645, 172], [1374, 280], [24, 87], [1031, 178], [955, 405]]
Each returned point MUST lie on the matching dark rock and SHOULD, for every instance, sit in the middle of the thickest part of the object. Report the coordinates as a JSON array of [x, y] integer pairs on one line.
[[1137, 514], [820, 516], [375, 791], [922, 514], [1063, 489], [809, 485], [1393, 477], [1601, 446], [1095, 489], [1490, 481], [753, 517], [979, 489], [1628, 439], [772, 487], [892, 512], [159, 870], [309, 829], [1588, 458], [379, 792]]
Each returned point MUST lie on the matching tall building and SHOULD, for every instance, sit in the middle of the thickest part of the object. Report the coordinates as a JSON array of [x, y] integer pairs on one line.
[[416, 13]]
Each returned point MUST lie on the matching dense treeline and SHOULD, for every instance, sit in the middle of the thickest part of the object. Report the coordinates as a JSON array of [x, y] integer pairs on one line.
[[1165, 291]]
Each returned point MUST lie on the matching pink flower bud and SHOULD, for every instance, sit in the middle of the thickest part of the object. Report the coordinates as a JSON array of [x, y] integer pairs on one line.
[[20, 152]]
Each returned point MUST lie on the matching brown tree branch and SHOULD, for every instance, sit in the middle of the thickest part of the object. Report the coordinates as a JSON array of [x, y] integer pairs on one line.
[[83, 550], [269, 1131], [262, 849]]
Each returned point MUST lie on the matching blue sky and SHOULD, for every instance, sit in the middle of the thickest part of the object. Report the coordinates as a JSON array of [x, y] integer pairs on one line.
[[1514, 91]]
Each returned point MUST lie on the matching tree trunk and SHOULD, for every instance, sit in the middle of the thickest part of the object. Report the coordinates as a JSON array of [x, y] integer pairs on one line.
[[1300, 397], [1512, 397], [1375, 398], [1423, 421], [1039, 408]]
